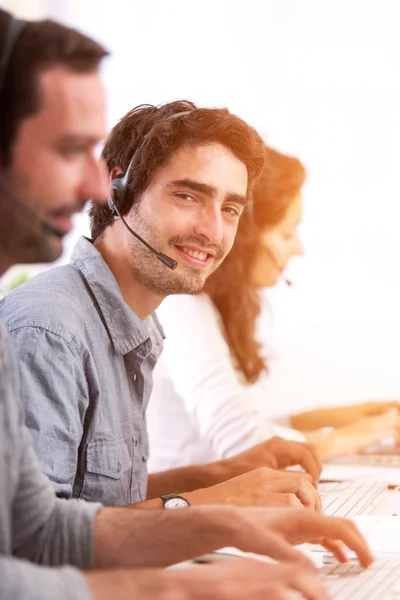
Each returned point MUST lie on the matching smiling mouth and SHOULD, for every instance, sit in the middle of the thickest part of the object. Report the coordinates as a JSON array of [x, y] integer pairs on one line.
[[195, 257]]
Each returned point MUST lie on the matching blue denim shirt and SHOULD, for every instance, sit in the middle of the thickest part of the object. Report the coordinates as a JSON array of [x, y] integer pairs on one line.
[[85, 362]]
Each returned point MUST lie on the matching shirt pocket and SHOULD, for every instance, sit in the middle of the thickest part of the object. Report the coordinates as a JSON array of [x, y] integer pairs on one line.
[[108, 473]]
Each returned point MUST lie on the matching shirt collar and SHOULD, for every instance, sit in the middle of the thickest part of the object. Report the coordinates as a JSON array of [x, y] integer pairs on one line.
[[126, 330]]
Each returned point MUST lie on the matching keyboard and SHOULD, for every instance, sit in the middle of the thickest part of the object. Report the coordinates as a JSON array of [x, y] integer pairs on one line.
[[368, 460], [381, 581], [349, 498]]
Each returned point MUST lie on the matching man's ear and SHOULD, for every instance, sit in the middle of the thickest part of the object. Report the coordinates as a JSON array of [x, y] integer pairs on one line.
[[114, 172]]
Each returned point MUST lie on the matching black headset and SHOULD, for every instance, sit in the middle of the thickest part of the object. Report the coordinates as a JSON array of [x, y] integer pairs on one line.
[[118, 187], [119, 183], [15, 28]]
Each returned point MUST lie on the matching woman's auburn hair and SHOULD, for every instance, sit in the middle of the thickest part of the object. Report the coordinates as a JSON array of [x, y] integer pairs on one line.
[[230, 287]]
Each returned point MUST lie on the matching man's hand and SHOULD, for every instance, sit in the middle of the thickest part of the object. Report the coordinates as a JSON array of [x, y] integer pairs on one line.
[[233, 579], [298, 527], [244, 578], [126, 538], [275, 453], [278, 453], [261, 487]]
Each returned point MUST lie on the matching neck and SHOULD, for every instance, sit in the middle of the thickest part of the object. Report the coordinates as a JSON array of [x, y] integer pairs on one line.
[[113, 247]]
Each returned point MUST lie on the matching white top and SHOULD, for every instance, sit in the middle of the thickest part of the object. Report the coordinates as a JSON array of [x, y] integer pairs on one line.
[[201, 409]]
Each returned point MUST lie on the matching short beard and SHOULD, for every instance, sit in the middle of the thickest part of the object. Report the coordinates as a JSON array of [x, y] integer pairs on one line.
[[153, 274], [23, 238]]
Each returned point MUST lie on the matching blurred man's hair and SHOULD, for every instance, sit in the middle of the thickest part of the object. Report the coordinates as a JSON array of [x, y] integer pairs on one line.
[[164, 136], [41, 45]]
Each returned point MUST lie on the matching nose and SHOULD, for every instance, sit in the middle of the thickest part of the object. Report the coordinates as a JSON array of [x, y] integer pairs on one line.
[[298, 247], [95, 181], [209, 224]]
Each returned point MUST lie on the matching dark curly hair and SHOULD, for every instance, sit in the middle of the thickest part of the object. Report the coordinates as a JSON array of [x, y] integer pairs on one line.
[[231, 287], [164, 136]]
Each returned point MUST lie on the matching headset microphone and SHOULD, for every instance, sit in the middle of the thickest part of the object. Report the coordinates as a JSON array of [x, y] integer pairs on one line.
[[30, 212], [169, 262], [273, 259]]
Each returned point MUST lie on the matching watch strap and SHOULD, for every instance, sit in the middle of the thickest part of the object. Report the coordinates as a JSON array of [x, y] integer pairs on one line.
[[167, 497]]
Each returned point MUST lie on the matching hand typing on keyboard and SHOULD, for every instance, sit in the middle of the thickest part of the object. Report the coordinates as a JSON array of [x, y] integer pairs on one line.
[[301, 526]]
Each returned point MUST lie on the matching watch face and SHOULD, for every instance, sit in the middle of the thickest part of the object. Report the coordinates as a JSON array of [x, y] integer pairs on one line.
[[176, 503]]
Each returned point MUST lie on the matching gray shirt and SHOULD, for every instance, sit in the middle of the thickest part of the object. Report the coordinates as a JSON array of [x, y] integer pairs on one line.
[[35, 526], [85, 362]]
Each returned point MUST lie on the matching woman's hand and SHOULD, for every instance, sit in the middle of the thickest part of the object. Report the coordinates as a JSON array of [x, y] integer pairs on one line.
[[355, 437], [340, 416]]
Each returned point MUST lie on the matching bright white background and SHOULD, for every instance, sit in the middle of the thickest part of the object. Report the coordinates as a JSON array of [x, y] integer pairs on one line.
[[320, 79]]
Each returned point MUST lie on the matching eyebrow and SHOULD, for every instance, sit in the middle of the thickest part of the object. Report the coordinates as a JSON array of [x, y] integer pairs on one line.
[[208, 190], [79, 139]]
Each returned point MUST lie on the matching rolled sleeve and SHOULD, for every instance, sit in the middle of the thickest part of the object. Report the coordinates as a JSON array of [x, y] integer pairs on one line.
[[21, 580]]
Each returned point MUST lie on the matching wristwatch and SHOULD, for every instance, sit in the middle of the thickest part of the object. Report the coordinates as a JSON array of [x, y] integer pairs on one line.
[[174, 501]]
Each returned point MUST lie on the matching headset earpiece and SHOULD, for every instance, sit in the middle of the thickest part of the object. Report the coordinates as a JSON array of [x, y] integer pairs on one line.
[[120, 181], [117, 187], [111, 204], [13, 33]]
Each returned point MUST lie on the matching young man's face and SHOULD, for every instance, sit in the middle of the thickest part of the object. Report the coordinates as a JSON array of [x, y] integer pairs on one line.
[[190, 212], [53, 167]]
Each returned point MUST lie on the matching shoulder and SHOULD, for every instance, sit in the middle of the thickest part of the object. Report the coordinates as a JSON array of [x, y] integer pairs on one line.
[[52, 300]]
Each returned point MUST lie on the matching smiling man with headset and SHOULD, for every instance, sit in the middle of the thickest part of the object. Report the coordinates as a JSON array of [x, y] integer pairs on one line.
[[181, 177]]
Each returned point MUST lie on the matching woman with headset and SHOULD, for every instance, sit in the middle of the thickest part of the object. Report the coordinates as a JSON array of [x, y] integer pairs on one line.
[[210, 396]]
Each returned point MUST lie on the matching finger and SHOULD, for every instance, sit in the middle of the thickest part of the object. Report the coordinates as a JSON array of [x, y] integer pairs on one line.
[[355, 541], [295, 483], [282, 500], [319, 507], [273, 545], [307, 494], [309, 585], [337, 549], [307, 457], [317, 460], [308, 497], [333, 528]]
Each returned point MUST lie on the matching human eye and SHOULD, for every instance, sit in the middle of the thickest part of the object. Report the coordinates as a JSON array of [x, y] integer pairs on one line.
[[288, 236], [73, 151], [233, 211], [186, 197]]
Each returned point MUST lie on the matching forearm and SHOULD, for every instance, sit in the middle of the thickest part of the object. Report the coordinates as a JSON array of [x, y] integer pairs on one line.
[[21, 580], [334, 443], [195, 477], [139, 538], [316, 419]]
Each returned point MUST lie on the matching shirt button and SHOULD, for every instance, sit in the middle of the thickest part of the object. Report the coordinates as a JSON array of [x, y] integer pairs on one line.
[[134, 377]]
